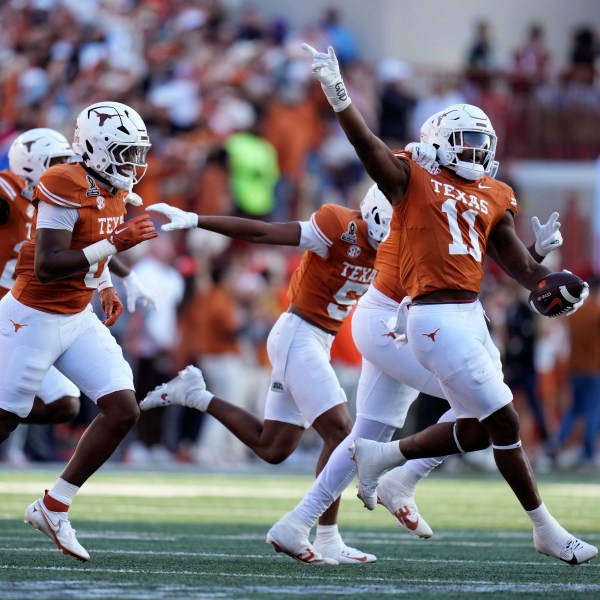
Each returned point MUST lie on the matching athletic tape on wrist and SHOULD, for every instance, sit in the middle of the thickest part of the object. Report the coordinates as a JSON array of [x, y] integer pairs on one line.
[[99, 251], [337, 96], [509, 447]]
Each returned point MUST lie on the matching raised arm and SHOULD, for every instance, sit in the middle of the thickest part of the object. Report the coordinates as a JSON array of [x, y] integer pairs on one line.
[[383, 167], [248, 230]]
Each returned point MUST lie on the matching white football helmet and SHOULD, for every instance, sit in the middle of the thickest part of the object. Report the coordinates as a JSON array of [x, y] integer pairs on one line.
[[376, 211], [31, 153], [113, 141], [465, 140]]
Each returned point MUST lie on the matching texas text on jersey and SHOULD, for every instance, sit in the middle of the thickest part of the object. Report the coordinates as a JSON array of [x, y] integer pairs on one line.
[[466, 210], [326, 289]]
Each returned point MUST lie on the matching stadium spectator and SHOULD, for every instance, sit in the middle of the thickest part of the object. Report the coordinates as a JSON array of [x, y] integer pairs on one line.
[[397, 103], [150, 342], [57, 272], [532, 61], [211, 325], [584, 334], [444, 286]]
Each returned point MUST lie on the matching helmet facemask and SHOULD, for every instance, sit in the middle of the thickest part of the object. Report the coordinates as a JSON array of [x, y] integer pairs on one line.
[[376, 211], [473, 153]]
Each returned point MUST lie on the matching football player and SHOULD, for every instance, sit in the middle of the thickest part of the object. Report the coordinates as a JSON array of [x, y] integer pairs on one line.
[[46, 318], [444, 223], [390, 381], [30, 154], [336, 269]]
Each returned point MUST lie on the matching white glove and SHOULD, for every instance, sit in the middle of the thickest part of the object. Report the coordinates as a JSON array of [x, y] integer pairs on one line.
[[547, 236], [133, 199], [399, 339], [424, 155], [180, 219], [585, 292], [326, 69], [136, 291]]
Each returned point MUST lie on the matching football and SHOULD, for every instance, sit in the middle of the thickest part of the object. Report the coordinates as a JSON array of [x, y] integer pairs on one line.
[[555, 293]]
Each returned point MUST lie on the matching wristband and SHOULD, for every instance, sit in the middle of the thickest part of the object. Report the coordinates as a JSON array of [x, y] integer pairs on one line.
[[105, 280], [99, 251], [337, 95]]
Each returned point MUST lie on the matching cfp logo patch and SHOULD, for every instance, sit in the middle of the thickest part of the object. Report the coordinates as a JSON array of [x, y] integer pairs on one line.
[[353, 251], [350, 235], [93, 190], [278, 386], [100, 202]]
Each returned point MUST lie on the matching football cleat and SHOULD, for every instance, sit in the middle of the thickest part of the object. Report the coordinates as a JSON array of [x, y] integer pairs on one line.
[[57, 527], [344, 555], [290, 536], [187, 389], [371, 464], [404, 509], [570, 550]]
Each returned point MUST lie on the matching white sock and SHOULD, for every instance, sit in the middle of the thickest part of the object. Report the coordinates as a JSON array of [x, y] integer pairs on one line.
[[339, 471], [326, 534], [391, 454], [542, 519], [63, 491]]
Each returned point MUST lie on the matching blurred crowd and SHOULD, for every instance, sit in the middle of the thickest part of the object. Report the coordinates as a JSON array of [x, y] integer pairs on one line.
[[239, 127]]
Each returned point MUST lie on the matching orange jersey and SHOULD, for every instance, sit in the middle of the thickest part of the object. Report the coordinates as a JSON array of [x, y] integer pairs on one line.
[[439, 233], [100, 211], [326, 289], [17, 229]]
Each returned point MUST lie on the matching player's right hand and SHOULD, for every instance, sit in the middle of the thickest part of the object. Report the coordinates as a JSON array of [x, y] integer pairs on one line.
[[424, 155], [180, 219], [132, 232]]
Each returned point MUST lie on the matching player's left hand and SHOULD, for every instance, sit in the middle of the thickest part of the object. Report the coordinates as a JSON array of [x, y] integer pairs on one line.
[[111, 305], [424, 155], [180, 219], [134, 199], [326, 69], [547, 236], [325, 66], [136, 291]]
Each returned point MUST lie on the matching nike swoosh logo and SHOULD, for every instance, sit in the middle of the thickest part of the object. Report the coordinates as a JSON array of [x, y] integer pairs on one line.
[[359, 558], [412, 525], [484, 187], [555, 302]]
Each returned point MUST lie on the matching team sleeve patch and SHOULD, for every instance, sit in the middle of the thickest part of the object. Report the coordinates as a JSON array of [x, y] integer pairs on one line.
[[55, 188]]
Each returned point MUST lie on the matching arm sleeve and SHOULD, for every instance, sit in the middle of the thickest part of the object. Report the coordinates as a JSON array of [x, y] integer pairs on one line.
[[51, 216], [313, 240]]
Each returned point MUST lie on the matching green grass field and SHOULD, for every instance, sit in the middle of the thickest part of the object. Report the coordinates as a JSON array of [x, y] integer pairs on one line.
[[186, 535]]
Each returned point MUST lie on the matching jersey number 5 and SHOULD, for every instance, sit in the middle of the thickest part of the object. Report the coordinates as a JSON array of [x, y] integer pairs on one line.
[[345, 298], [458, 246]]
